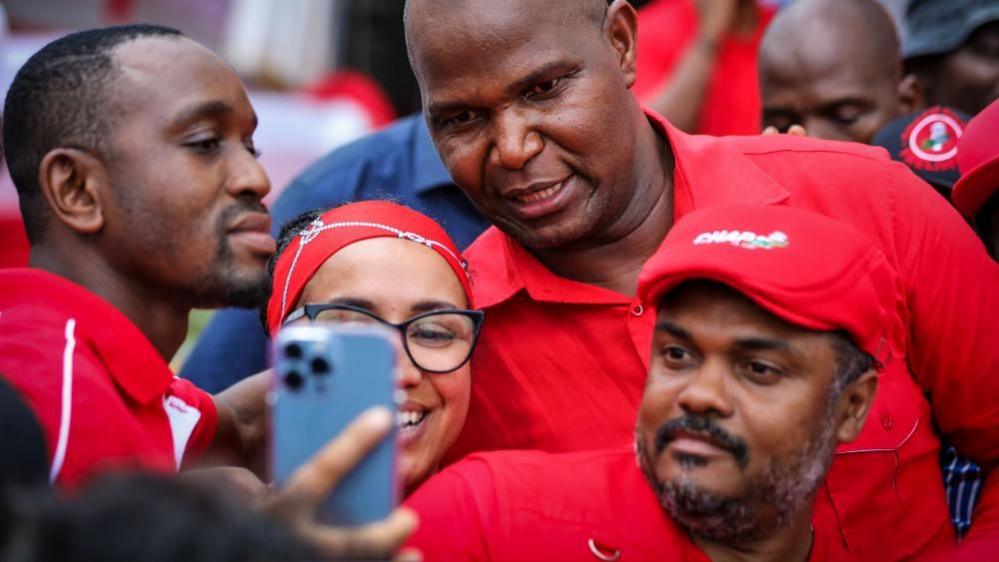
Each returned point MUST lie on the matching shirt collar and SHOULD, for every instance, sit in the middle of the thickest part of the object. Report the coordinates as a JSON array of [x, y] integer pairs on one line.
[[130, 358], [709, 172], [429, 172]]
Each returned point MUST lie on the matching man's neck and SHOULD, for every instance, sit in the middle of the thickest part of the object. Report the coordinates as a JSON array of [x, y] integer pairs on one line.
[[616, 263], [789, 544], [159, 317]]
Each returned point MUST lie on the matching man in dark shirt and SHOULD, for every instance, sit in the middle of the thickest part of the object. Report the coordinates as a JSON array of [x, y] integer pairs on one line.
[[399, 163]]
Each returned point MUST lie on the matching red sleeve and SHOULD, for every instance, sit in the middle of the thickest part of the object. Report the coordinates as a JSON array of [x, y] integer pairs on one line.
[[457, 512], [952, 289], [204, 431], [665, 27]]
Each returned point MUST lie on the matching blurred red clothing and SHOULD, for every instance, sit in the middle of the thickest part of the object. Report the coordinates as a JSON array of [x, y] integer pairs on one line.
[[561, 365], [732, 105], [103, 395], [529, 505]]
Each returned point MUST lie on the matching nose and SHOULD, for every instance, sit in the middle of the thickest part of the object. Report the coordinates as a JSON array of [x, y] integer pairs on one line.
[[410, 375], [706, 392], [247, 177], [820, 128], [515, 140]]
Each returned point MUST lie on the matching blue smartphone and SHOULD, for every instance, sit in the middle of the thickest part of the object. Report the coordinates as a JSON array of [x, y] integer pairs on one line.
[[324, 376]]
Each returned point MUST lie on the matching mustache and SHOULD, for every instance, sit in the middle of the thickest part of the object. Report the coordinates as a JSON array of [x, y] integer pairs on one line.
[[230, 213], [698, 425]]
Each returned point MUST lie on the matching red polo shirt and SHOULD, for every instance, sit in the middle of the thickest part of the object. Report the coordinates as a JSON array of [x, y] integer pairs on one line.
[[528, 505], [103, 395], [732, 103], [561, 365]]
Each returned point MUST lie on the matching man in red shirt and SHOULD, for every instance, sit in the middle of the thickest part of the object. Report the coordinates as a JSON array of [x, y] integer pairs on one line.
[[697, 63], [762, 361], [132, 152], [535, 121]]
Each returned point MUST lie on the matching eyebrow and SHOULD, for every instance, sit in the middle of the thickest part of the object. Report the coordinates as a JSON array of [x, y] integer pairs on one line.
[[438, 107], [672, 329], [430, 305], [355, 302], [204, 110]]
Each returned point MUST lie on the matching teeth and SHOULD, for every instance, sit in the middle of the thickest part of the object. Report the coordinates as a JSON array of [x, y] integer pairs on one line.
[[543, 194], [409, 418]]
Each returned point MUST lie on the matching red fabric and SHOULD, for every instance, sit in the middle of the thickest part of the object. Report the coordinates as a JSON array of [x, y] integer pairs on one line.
[[121, 388], [529, 505], [561, 365], [978, 160], [770, 254], [357, 87], [732, 105], [14, 248], [342, 226]]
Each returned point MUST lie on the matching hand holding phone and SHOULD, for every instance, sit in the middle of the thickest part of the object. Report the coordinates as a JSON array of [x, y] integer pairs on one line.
[[325, 376]]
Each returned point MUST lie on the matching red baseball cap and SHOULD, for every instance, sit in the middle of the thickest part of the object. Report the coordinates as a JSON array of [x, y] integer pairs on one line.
[[978, 160], [804, 268]]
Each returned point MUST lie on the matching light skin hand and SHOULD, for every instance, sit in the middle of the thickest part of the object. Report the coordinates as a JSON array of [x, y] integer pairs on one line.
[[299, 500]]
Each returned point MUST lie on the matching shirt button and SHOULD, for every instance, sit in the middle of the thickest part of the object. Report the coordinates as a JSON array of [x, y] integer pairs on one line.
[[887, 422], [638, 310]]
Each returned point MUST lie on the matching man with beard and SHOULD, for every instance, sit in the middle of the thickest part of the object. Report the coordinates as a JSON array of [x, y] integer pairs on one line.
[[535, 121], [763, 360], [132, 152]]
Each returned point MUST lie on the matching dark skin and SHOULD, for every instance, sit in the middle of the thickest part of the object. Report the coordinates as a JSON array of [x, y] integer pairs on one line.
[[718, 355], [522, 116], [844, 93], [967, 77], [171, 218]]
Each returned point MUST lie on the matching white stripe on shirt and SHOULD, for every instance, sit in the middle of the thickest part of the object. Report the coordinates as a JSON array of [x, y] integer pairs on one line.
[[67, 400]]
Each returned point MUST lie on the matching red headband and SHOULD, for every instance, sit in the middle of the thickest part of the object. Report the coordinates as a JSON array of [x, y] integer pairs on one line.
[[343, 226]]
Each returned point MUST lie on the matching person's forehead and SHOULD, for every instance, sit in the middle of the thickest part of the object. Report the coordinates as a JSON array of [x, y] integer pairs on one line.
[[168, 72], [707, 305], [488, 32]]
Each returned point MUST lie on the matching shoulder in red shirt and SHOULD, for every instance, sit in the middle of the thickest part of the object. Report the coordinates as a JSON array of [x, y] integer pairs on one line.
[[103, 395], [529, 505]]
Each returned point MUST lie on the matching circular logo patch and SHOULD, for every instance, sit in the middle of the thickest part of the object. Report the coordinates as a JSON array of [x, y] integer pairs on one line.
[[930, 141]]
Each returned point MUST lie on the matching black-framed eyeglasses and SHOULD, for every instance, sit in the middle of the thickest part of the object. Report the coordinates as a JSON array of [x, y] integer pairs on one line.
[[439, 341]]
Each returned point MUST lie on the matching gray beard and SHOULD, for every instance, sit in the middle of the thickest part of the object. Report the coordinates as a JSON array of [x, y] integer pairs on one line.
[[786, 486]]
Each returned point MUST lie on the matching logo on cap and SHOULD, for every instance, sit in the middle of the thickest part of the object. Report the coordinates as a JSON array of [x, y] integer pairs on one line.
[[930, 141], [744, 239]]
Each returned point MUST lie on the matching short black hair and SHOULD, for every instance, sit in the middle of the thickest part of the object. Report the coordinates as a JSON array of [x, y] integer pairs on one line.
[[59, 98], [121, 517], [289, 231]]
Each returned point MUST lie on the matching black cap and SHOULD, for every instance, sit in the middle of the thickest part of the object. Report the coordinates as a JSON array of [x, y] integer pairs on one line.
[[939, 26], [926, 142]]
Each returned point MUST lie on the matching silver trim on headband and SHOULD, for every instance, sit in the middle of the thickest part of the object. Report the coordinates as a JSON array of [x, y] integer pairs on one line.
[[317, 227]]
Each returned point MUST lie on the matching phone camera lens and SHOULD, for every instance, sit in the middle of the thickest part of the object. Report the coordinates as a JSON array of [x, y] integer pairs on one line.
[[293, 351], [293, 380], [320, 366]]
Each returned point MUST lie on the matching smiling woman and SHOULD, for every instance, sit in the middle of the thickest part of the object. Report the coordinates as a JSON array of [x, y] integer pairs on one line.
[[378, 262]]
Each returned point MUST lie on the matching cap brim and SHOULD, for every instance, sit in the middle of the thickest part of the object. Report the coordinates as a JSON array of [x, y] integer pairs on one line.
[[973, 189]]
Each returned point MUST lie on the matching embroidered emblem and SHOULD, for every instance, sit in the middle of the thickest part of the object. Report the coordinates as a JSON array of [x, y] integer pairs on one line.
[[930, 141], [744, 239]]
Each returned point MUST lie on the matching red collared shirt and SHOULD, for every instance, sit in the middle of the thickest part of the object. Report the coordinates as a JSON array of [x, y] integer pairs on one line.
[[731, 104], [561, 365], [528, 505], [103, 395]]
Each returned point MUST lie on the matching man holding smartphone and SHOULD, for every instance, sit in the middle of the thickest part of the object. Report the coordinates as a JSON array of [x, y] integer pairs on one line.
[[132, 152]]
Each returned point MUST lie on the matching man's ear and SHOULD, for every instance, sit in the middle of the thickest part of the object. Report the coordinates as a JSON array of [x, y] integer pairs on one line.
[[621, 30], [911, 95], [73, 183], [854, 404]]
